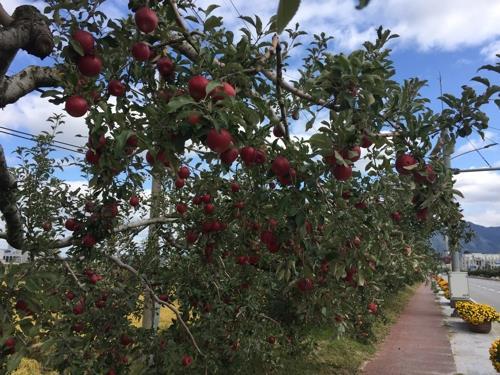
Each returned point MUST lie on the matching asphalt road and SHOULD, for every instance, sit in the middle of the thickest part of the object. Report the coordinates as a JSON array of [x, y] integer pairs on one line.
[[485, 291]]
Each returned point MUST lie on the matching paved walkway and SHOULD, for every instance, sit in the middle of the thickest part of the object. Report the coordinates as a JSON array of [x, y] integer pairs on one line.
[[418, 343]]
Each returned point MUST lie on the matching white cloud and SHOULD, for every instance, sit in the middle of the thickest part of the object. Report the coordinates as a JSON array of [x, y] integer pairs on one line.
[[491, 50], [30, 113], [481, 202]]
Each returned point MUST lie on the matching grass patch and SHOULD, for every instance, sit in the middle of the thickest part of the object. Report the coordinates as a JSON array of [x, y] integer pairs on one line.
[[345, 355]]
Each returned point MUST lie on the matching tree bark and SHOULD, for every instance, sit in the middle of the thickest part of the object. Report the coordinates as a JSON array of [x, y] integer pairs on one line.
[[8, 205]]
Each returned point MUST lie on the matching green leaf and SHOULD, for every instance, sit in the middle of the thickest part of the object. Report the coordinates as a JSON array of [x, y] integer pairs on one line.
[[212, 23], [212, 85], [77, 47], [482, 80], [178, 102], [286, 11], [49, 93], [362, 4]]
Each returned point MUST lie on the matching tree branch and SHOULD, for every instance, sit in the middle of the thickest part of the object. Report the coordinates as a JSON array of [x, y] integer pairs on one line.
[[279, 80], [68, 241], [8, 205], [5, 18], [26, 81], [171, 307]]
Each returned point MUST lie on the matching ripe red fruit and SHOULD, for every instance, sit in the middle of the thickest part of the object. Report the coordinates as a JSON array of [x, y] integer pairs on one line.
[[229, 156], [360, 205], [219, 141], [223, 91], [89, 65], [141, 51], [21, 305], [325, 266], [70, 295], [280, 166], [76, 106], [209, 208], [197, 200], [146, 20], [305, 284], [346, 194], [161, 157], [353, 154], [356, 241], [197, 87], [78, 327], [242, 260], [404, 162], [71, 224], [248, 155], [235, 187], [92, 157], [134, 201], [163, 297], [181, 208], [206, 198], [271, 340], [111, 372], [366, 141], [88, 240], [126, 340], [132, 141], [165, 66], [94, 278], [426, 176], [10, 344], [79, 308], [193, 119], [342, 172], [191, 236], [179, 182], [85, 39], [116, 88], [278, 131], [372, 307], [396, 216], [183, 172], [46, 226], [260, 157], [186, 360], [422, 214]]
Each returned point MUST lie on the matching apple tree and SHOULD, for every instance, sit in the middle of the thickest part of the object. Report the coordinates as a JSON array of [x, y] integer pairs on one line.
[[254, 235]]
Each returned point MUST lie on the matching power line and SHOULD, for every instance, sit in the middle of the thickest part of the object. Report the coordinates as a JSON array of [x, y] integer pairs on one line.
[[34, 140], [467, 152], [34, 136], [479, 152]]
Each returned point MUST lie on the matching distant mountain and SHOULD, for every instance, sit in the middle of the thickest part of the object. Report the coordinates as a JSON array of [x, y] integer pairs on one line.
[[486, 240]]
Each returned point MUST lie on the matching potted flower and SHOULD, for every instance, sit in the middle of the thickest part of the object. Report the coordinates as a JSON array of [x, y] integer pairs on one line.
[[478, 316], [495, 354]]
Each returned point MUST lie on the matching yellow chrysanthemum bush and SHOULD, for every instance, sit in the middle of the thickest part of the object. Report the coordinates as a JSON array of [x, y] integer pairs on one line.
[[477, 313], [495, 354], [443, 284]]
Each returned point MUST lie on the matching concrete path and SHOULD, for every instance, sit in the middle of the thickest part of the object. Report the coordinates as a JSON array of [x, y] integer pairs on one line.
[[418, 342]]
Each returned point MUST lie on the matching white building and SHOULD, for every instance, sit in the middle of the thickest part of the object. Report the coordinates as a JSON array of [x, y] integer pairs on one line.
[[476, 261], [11, 255]]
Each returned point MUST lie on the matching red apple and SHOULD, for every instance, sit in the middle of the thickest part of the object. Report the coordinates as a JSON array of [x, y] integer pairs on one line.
[[372, 307], [116, 88], [71, 224], [206, 198], [141, 51], [181, 208], [146, 20], [92, 157], [305, 284], [47, 226], [90, 65], [186, 360], [353, 153], [209, 208], [165, 66], [85, 39], [193, 119], [223, 91], [197, 87], [183, 172], [342, 172], [76, 106], [280, 166], [235, 187], [229, 156], [88, 240], [405, 164], [179, 182], [10, 345], [260, 157], [132, 141], [396, 216], [366, 141], [278, 131], [248, 155], [134, 200], [427, 176], [422, 214], [219, 141], [79, 308], [191, 236]]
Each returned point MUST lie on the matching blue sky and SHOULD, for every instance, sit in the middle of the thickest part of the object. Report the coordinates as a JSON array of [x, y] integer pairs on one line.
[[450, 37]]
